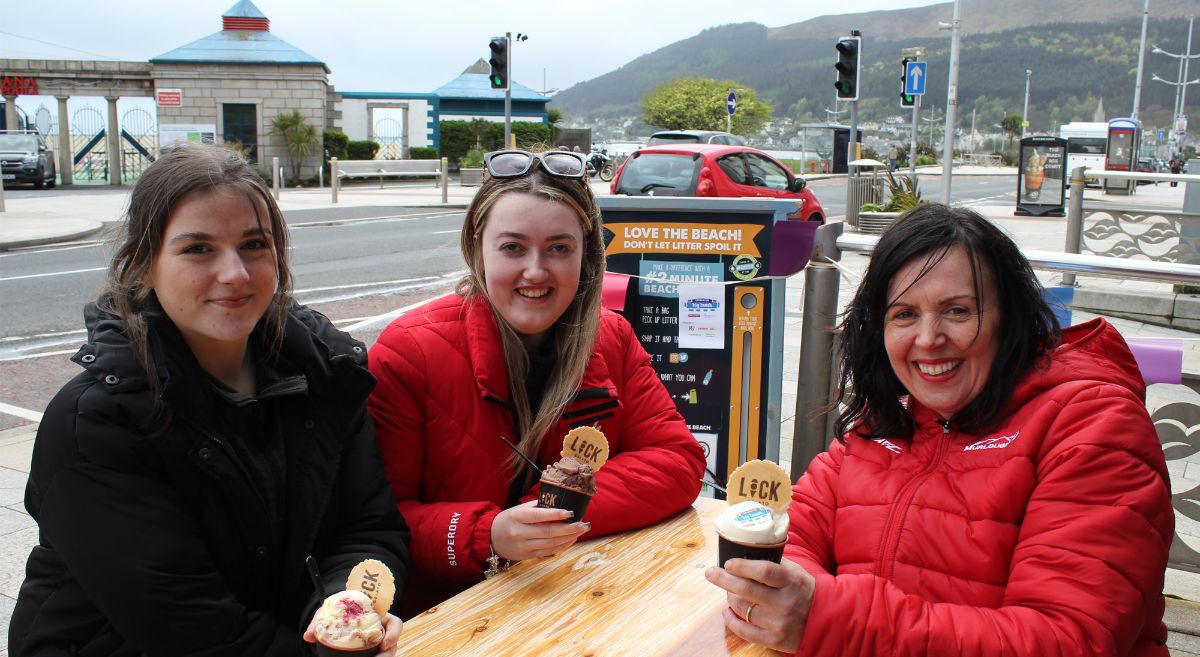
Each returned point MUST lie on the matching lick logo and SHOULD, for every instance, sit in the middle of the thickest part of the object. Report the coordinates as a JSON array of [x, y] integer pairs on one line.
[[888, 445], [999, 442]]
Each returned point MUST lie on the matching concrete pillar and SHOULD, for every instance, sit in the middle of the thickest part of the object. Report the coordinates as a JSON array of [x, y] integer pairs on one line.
[[66, 158], [10, 112], [113, 142], [404, 134]]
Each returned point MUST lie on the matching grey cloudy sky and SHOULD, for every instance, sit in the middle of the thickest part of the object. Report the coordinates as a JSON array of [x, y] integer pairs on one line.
[[403, 45]]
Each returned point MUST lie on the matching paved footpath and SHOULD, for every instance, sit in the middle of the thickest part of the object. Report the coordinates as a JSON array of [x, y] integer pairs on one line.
[[41, 219]]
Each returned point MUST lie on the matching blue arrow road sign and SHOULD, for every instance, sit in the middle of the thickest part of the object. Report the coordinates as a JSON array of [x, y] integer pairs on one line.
[[914, 78], [731, 102]]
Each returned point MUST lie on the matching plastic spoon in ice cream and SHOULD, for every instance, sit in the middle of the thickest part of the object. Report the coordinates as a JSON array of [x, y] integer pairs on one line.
[[518, 453], [709, 483]]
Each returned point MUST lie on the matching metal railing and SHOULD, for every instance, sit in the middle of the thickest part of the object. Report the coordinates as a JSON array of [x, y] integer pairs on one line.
[[817, 372]]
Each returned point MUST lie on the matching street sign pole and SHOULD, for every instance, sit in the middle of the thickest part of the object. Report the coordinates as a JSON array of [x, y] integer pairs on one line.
[[731, 105], [915, 74], [912, 146]]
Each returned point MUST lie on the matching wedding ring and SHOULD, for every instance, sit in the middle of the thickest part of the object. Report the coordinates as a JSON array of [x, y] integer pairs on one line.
[[750, 610]]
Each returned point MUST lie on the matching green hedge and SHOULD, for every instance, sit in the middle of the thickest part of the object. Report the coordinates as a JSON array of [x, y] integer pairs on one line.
[[335, 144], [422, 153], [361, 150], [457, 138], [535, 136]]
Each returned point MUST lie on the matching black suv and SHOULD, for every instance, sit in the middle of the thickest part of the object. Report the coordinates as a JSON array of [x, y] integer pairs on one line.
[[25, 158], [667, 137]]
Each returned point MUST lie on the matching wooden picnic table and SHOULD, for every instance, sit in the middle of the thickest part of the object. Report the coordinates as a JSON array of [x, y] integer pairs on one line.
[[641, 593]]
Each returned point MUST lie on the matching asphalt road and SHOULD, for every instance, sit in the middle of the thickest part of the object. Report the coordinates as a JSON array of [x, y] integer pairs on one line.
[[355, 265]]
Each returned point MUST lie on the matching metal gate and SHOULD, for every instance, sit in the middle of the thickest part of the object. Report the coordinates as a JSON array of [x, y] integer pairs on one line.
[[389, 135], [139, 142], [89, 149]]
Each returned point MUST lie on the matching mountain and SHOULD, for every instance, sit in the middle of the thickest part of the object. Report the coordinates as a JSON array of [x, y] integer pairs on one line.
[[1080, 51]]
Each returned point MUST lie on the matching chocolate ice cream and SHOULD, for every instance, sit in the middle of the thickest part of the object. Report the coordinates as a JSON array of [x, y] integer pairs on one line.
[[571, 473]]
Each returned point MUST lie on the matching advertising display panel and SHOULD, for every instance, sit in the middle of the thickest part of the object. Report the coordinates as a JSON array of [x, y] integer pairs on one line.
[[1042, 177], [703, 288]]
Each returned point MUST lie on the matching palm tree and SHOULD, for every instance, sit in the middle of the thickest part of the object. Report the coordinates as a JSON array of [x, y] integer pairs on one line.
[[1011, 125], [299, 138]]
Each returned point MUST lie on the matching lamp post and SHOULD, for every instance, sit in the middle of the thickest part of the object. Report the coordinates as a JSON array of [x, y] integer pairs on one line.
[[1137, 88], [951, 105], [1181, 83], [1025, 112], [931, 120]]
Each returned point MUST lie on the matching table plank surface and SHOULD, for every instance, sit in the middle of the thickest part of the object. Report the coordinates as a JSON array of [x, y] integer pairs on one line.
[[640, 593]]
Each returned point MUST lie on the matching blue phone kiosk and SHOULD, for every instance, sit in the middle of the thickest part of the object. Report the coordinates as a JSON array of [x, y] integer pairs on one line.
[[1124, 142]]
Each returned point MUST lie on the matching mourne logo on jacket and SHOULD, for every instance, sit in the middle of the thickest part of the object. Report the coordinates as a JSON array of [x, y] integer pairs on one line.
[[999, 442]]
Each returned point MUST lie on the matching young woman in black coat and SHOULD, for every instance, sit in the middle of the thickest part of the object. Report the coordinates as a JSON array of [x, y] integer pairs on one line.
[[217, 437]]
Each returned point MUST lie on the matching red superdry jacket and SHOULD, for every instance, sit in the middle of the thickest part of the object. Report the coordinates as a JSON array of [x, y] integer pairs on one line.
[[441, 405], [1047, 536]]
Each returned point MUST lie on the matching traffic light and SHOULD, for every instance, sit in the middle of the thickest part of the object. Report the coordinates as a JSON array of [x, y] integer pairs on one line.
[[847, 67], [499, 62], [906, 100]]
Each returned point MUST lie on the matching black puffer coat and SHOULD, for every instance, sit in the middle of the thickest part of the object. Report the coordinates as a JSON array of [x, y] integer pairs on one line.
[[164, 546]]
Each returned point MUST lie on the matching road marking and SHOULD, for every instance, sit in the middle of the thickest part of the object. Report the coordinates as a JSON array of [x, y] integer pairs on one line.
[[65, 246], [14, 338], [391, 218], [38, 355], [22, 413], [349, 286], [385, 318], [54, 273], [417, 285], [443, 232]]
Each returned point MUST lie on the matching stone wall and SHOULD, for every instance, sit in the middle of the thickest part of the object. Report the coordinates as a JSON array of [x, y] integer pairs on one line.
[[273, 89]]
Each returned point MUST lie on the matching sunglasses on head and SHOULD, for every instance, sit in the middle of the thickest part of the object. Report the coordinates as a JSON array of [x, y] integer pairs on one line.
[[514, 164]]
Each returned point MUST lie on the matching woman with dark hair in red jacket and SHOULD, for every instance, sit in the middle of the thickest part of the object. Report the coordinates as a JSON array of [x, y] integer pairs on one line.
[[522, 353], [998, 487]]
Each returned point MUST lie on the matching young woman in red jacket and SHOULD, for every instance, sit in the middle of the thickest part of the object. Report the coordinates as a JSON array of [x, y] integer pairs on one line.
[[521, 353], [998, 487]]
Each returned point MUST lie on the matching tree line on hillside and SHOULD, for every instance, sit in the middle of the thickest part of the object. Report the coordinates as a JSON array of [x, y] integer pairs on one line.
[[1074, 67]]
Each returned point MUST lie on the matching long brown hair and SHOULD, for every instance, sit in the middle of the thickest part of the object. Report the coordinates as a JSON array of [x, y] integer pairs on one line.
[[182, 170], [574, 334]]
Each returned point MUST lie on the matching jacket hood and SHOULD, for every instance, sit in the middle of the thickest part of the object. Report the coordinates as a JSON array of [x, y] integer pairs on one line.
[[1091, 351]]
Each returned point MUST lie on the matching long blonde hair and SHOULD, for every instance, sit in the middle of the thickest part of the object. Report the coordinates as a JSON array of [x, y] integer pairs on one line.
[[574, 334]]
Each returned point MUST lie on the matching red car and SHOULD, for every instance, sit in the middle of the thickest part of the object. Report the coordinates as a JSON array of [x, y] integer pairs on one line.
[[715, 170]]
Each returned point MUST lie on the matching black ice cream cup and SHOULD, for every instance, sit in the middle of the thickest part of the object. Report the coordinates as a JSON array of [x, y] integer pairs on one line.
[[728, 549], [553, 496]]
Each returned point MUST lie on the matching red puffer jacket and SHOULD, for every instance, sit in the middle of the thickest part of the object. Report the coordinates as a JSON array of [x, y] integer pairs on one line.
[[441, 406], [1047, 536]]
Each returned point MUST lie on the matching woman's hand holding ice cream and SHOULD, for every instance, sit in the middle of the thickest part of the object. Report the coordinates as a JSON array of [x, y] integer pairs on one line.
[[527, 532], [392, 626], [777, 595]]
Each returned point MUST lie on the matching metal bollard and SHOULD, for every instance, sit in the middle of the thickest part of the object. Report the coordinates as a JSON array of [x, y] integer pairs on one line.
[[445, 181], [334, 178], [1074, 219], [275, 176], [813, 386]]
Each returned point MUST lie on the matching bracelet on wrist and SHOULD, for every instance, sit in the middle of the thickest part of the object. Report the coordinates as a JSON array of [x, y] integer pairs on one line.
[[495, 564]]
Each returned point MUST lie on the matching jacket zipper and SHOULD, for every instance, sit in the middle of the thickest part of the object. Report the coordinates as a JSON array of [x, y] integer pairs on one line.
[[891, 536]]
